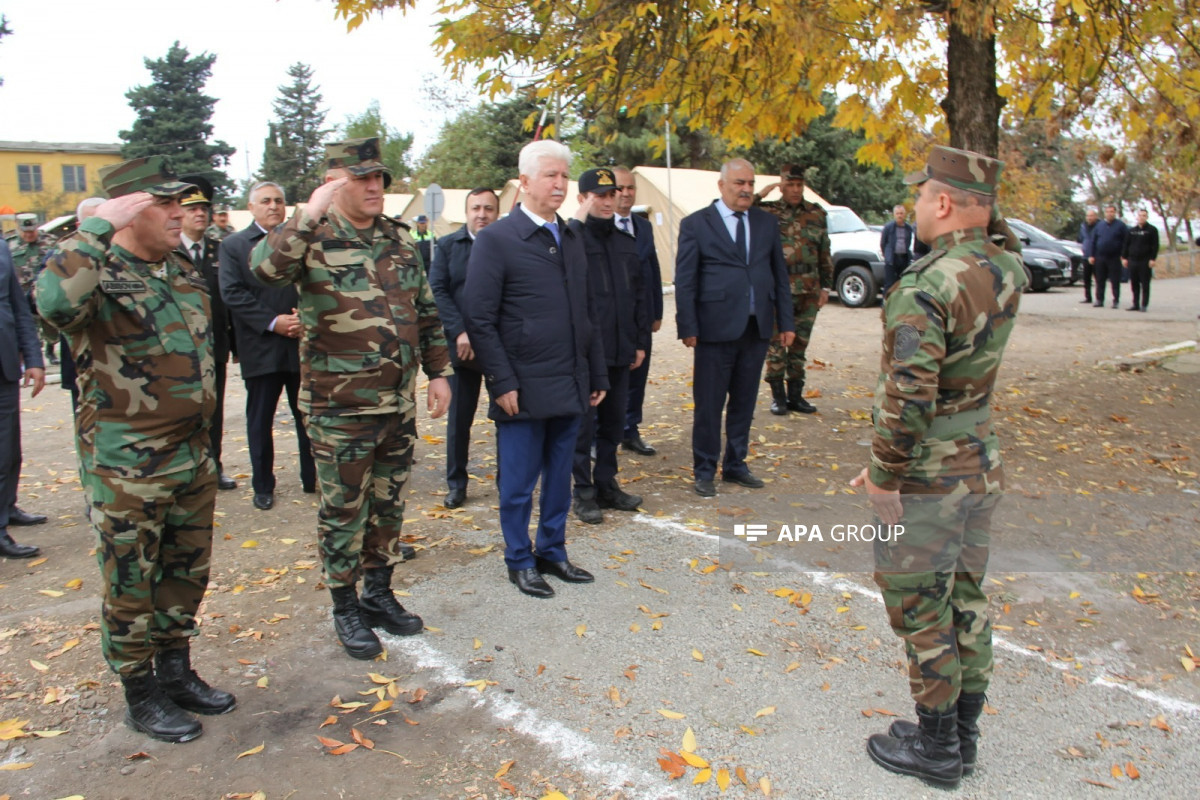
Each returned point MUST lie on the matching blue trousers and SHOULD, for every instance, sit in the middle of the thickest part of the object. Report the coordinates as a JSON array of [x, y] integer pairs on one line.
[[528, 449]]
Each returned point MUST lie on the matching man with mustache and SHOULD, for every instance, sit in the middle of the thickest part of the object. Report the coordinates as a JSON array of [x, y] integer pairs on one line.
[[731, 292], [367, 321], [139, 320]]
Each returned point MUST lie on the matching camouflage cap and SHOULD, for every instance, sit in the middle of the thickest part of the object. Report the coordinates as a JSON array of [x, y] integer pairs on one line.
[[27, 222], [152, 174], [962, 169], [220, 208], [358, 157], [597, 181], [201, 191], [794, 172]]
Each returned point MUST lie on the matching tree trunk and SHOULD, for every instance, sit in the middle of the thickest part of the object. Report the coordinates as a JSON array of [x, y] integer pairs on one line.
[[972, 104]]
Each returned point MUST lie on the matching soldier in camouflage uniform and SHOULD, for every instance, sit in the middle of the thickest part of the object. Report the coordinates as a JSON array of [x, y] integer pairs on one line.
[[220, 227], [137, 318], [805, 239], [935, 460], [28, 255], [369, 320]]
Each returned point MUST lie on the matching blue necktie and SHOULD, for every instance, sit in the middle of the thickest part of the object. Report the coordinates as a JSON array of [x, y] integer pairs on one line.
[[625, 223], [553, 228], [740, 239]]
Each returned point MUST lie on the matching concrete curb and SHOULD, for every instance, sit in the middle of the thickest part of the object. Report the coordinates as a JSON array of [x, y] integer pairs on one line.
[[1146, 358]]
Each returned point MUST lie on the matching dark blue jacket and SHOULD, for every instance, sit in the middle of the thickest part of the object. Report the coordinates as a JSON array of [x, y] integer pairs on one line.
[[448, 280], [713, 280], [887, 240], [18, 337], [651, 271], [528, 317], [1141, 244], [1086, 232], [1108, 239]]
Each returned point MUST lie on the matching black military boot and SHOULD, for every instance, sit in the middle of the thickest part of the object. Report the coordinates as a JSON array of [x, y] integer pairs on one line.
[[933, 754], [612, 496], [970, 706], [586, 507], [352, 630], [381, 609], [795, 398], [188, 690], [151, 712], [779, 403]]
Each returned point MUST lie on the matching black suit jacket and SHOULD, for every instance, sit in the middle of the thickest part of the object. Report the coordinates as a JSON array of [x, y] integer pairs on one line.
[[651, 271], [210, 268], [448, 280], [18, 337], [713, 280], [253, 306]]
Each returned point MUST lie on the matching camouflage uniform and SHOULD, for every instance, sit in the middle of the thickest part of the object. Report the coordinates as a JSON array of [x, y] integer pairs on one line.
[[805, 239], [141, 337], [369, 318], [28, 258], [946, 323], [217, 233]]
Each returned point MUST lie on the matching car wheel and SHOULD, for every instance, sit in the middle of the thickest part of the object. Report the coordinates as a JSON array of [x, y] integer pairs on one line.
[[856, 287]]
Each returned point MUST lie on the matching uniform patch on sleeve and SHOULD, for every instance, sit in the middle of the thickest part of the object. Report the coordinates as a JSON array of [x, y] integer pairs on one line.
[[905, 342]]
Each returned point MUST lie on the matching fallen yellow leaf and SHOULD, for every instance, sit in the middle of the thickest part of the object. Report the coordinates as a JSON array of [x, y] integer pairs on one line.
[[250, 543], [16, 766], [754, 652], [697, 655], [50, 592], [689, 740], [580, 630], [671, 714], [763, 712], [723, 779], [253, 751], [702, 777], [504, 768], [262, 682], [382, 705], [74, 583], [693, 760], [39, 666]]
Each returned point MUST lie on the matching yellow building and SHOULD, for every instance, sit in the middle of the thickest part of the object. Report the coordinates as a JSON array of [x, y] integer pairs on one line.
[[50, 178]]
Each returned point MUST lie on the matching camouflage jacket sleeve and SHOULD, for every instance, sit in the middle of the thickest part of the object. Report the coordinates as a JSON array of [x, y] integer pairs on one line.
[[914, 347], [278, 258], [68, 293]]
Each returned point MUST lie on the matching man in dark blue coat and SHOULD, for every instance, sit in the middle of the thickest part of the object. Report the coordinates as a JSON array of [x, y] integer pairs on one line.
[[19, 348], [1108, 242], [652, 296], [623, 326], [1086, 229], [528, 323], [731, 292], [447, 279]]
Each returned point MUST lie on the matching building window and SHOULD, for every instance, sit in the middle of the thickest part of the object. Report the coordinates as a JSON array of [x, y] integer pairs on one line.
[[74, 178], [29, 177]]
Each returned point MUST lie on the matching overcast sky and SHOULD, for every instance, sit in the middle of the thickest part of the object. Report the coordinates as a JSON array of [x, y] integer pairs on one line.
[[67, 65]]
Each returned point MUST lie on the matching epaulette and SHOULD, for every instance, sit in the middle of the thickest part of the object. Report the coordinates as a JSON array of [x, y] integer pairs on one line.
[[925, 260]]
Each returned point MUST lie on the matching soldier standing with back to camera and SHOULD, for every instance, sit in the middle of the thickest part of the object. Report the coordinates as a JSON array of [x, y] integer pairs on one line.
[[935, 460], [805, 237], [368, 320], [138, 318]]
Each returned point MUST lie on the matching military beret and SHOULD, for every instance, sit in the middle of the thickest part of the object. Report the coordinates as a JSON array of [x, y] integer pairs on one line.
[[152, 174], [27, 222], [962, 169], [358, 157], [598, 181]]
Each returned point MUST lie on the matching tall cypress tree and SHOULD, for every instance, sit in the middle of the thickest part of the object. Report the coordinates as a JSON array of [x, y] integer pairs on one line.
[[293, 154], [173, 118]]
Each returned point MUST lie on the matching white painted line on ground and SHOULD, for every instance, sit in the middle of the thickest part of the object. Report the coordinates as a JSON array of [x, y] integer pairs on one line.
[[1173, 705], [565, 743]]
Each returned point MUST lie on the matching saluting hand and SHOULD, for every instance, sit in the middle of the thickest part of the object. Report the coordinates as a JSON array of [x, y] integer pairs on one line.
[[322, 197], [120, 211]]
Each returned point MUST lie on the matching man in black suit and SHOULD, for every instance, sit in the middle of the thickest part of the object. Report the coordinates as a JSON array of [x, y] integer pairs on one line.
[[731, 292], [447, 279], [267, 331], [200, 250], [652, 296], [18, 346]]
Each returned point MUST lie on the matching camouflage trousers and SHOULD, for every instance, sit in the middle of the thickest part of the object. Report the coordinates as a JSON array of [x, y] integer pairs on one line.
[[363, 463], [931, 579], [154, 544], [787, 363]]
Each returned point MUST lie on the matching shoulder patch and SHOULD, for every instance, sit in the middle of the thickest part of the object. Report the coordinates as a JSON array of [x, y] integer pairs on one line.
[[905, 342], [925, 260]]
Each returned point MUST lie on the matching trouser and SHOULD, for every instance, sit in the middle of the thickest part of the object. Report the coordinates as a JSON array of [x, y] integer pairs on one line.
[[154, 544], [69, 374], [637, 395], [10, 446], [528, 449], [262, 398], [895, 268], [1088, 272], [1140, 274], [787, 363], [725, 379], [605, 427], [1108, 271], [216, 433], [363, 462], [464, 399], [931, 579]]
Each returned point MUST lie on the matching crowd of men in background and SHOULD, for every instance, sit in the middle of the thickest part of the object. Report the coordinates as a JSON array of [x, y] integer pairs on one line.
[[1115, 253]]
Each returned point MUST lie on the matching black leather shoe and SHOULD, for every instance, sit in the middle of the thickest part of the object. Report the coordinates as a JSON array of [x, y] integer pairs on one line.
[[173, 670], [564, 571], [1133, 308], [225, 483], [10, 549], [1098, 305], [635, 444], [746, 479], [530, 582], [18, 517], [705, 488], [612, 496], [351, 628], [1086, 300], [586, 507], [380, 608], [408, 552], [455, 498], [264, 502]]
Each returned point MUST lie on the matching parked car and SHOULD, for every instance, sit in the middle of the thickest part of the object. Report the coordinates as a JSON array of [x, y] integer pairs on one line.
[[1032, 235], [857, 261], [1045, 268]]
